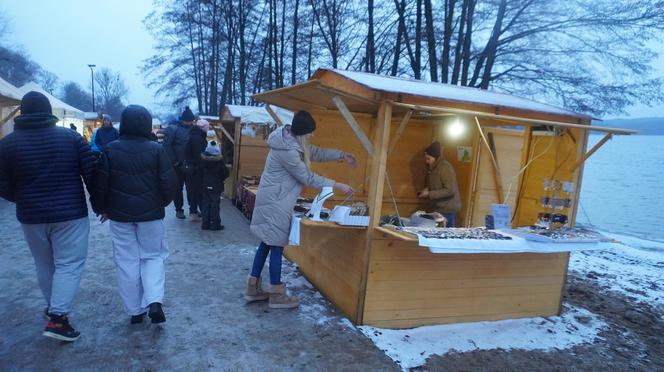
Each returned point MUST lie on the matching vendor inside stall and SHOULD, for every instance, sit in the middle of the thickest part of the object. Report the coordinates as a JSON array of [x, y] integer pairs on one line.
[[442, 188]]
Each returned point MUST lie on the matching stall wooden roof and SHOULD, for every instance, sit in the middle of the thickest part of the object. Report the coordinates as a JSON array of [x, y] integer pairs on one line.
[[363, 92], [9, 94]]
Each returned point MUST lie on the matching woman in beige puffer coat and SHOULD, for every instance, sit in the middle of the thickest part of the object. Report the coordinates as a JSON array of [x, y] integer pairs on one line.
[[287, 170]]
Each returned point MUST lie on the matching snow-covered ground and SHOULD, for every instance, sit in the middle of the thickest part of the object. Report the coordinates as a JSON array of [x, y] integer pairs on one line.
[[634, 269], [411, 347]]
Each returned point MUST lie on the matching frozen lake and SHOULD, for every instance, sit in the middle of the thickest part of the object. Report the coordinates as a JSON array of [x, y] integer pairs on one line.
[[623, 186]]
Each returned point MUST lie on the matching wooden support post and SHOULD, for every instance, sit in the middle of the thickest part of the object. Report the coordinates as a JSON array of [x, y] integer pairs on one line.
[[225, 132], [354, 125], [585, 157], [525, 158], [9, 116], [498, 182], [235, 172], [397, 135], [276, 118], [381, 136]]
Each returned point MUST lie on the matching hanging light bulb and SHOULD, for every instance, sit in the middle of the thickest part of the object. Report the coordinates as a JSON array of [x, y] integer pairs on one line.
[[456, 129]]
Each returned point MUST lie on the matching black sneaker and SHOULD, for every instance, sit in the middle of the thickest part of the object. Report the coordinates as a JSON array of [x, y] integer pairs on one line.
[[217, 228], [156, 313], [137, 319], [58, 327], [180, 215]]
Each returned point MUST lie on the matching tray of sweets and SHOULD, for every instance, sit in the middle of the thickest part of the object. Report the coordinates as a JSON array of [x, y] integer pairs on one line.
[[461, 233], [565, 235]]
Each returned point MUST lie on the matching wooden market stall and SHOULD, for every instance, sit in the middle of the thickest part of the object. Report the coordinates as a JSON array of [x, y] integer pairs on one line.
[[243, 131], [10, 99], [505, 151]]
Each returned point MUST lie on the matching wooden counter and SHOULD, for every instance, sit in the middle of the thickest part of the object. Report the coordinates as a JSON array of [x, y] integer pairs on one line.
[[385, 279]]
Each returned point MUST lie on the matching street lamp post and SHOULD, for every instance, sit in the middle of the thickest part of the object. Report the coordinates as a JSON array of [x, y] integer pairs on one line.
[[92, 79]]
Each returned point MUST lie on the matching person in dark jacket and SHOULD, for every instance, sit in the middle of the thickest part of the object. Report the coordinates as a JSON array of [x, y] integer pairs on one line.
[[176, 138], [105, 134], [136, 181], [194, 173], [41, 166], [214, 174]]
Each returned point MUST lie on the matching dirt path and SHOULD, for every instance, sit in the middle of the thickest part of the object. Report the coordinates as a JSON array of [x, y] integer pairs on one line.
[[210, 328]]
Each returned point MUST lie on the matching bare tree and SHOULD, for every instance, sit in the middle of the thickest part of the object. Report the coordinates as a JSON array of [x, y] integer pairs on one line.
[[111, 92]]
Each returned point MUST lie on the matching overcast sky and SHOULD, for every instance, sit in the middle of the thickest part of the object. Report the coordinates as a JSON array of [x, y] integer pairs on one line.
[[64, 36]]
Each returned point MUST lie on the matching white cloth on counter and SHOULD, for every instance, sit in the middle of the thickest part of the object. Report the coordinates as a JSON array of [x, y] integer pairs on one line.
[[294, 236], [516, 245]]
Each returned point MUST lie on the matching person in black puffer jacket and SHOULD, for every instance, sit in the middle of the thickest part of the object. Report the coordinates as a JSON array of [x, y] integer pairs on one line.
[[214, 173], [136, 181], [176, 139], [194, 177], [41, 166]]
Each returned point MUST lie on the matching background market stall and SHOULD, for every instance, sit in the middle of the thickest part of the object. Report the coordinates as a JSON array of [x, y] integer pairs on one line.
[[66, 113], [10, 99], [504, 149], [243, 131]]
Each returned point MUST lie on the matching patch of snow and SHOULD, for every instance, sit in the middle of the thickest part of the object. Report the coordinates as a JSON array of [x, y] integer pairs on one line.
[[411, 347], [259, 115], [634, 268]]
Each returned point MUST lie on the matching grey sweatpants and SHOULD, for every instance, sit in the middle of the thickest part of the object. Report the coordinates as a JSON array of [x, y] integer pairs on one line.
[[59, 250], [139, 250]]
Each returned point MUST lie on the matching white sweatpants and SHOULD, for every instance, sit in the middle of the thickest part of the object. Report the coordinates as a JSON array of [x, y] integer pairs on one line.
[[139, 250]]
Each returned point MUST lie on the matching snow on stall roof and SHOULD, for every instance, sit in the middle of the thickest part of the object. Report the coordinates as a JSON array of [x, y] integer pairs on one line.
[[258, 114], [9, 93], [68, 111], [451, 92], [90, 115]]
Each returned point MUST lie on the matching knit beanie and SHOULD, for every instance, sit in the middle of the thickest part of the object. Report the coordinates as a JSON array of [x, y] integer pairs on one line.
[[433, 150], [212, 149], [203, 124], [303, 123], [35, 103], [187, 115]]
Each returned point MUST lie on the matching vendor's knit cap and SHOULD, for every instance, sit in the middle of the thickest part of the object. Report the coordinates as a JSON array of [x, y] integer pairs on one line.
[[187, 115], [203, 124], [303, 123], [106, 117], [433, 150], [35, 103], [212, 149]]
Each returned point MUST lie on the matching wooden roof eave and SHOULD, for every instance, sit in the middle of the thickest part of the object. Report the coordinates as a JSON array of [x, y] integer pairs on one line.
[[509, 118]]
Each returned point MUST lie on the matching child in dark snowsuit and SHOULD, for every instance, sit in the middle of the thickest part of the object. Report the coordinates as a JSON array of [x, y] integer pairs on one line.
[[214, 174]]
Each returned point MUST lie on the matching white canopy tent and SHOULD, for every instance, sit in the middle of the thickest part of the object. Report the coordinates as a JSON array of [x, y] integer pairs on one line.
[[66, 113], [10, 99]]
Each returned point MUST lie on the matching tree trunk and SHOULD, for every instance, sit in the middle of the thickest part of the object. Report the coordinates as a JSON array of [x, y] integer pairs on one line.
[[370, 57], [447, 38], [492, 45], [296, 24], [457, 53], [431, 40], [470, 15], [418, 40]]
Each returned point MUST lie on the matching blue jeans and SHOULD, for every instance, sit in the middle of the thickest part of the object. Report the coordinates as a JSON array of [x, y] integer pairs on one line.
[[451, 219], [275, 262]]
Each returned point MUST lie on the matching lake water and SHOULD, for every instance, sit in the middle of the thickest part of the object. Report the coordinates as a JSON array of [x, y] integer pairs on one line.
[[623, 186]]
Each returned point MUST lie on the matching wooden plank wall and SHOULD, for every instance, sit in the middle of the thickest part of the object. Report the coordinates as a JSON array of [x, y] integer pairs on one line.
[[559, 154], [509, 144], [408, 286], [406, 167], [332, 258]]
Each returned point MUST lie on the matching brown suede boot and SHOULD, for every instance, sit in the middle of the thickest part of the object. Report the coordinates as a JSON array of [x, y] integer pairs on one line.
[[254, 291], [279, 298]]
